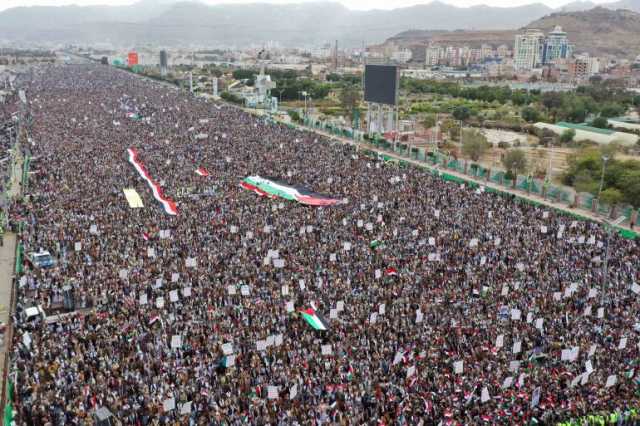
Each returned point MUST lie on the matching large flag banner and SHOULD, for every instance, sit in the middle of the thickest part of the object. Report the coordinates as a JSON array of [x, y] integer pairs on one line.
[[274, 188], [168, 204], [314, 319], [133, 198]]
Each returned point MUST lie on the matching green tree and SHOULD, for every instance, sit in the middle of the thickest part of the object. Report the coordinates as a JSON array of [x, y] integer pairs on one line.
[[611, 196], [429, 121], [515, 161], [474, 144], [567, 136], [294, 115], [600, 122], [461, 113], [529, 114], [350, 97], [450, 128], [630, 183]]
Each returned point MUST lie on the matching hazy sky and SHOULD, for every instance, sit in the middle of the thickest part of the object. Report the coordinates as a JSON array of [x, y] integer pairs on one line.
[[352, 4]]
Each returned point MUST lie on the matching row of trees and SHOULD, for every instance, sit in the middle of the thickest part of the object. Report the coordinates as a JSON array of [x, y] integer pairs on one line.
[[602, 98], [621, 181]]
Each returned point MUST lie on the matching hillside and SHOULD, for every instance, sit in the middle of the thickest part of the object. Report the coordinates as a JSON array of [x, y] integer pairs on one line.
[[599, 31]]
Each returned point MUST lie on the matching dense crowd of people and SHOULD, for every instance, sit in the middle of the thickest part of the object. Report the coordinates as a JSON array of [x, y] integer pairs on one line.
[[8, 133], [443, 303]]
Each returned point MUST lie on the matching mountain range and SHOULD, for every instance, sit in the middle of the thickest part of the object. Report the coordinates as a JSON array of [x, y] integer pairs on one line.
[[180, 23]]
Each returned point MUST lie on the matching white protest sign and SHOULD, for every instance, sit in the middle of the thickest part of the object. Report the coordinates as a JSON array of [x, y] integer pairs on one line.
[[231, 289], [346, 246], [78, 246], [517, 346], [186, 408], [419, 316], [190, 262], [168, 404], [458, 367], [186, 292], [600, 312], [340, 306], [611, 381], [514, 366], [500, 341], [173, 296], [326, 350], [289, 306], [516, 314], [175, 277], [151, 252], [411, 371], [333, 313], [473, 242], [160, 302], [432, 241], [293, 391], [176, 341], [272, 392], [373, 318], [484, 397], [381, 309], [244, 290], [378, 274], [278, 263], [261, 345], [623, 343], [227, 348], [398, 357], [535, 398]]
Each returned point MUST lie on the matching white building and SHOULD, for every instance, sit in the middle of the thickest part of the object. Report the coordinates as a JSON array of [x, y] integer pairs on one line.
[[401, 56], [528, 50], [433, 55]]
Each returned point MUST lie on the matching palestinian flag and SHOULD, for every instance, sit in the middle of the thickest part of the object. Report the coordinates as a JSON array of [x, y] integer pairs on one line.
[[279, 189], [133, 116], [375, 244], [153, 319], [201, 171], [255, 189], [314, 319], [391, 271], [168, 204]]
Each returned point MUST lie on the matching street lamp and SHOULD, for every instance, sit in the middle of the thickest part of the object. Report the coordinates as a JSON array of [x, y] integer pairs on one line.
[[604, 165], [609, 225]]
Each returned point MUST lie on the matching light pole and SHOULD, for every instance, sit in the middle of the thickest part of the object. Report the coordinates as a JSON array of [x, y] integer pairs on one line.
[[604, 165], [609, 226]]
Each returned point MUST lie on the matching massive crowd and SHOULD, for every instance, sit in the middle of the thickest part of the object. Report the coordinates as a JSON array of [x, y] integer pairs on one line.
[[443, 303]]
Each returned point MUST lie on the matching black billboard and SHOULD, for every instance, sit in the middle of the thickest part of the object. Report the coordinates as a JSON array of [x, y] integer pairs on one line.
[[381, 84]]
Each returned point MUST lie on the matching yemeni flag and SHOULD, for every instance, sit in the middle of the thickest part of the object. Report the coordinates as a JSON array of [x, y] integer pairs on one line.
[[272, 187], [145, 236], [133, 116], [201, 171], [391, 271], [314, 319], [375, 244], [168, 204]]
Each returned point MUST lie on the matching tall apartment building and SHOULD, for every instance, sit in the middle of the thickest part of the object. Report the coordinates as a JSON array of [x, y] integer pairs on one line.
[[583, 66], [433, 55], [556, 46], [529, 50]]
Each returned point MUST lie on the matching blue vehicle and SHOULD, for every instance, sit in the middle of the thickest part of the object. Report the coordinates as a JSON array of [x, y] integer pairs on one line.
[[42, 259]]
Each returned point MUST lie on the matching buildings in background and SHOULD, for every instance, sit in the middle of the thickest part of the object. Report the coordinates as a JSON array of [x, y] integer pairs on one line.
[[528, 50], [533, 49]]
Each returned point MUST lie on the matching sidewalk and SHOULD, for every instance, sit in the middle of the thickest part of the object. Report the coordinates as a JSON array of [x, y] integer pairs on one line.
[[7, 259]]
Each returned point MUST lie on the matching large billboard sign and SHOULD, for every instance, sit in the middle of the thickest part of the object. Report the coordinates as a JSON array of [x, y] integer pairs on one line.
[[381, 84], [132, 59]]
